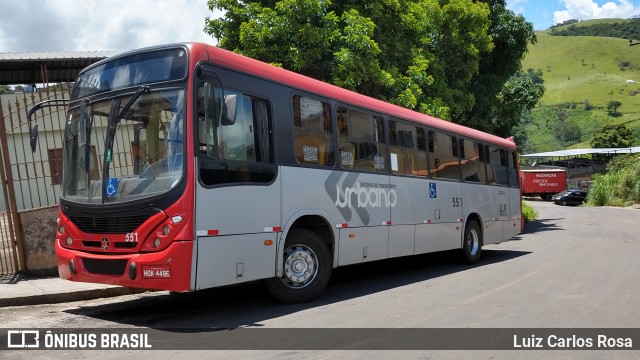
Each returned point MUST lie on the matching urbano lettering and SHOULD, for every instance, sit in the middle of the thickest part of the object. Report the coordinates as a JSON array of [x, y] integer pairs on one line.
[[379, 196]]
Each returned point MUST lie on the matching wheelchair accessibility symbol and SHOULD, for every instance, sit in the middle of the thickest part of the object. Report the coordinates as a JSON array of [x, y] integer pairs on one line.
[[112, 187], [433, 193]]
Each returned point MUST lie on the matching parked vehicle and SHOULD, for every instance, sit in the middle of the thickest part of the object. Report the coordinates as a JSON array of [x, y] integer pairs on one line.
[[570, 197], [543, 183]]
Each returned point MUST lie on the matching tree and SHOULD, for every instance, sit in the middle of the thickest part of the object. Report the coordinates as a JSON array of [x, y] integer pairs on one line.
[[613, 136], [420, 54], [613, 106], [520, 93], [511, 35], [5, 89]]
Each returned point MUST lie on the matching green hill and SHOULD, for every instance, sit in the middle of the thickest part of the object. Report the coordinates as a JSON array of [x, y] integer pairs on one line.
[[582, 74]]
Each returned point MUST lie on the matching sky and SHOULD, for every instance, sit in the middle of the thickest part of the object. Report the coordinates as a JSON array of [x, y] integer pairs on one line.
[[546, 13], [99, 25], [121, 25]]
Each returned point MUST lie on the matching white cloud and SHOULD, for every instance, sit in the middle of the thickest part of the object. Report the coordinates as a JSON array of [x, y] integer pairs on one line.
[[59, 25], [517, 6], [588, 9]]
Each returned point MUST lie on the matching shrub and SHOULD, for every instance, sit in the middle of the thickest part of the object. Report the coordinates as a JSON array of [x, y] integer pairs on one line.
[[599, 193], [528, 212], [620, 186]]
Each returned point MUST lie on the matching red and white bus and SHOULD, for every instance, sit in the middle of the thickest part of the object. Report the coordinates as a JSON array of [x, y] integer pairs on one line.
[[188, 167]]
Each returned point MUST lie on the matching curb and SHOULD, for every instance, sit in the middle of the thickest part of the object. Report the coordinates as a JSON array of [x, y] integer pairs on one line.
[[81, 295]]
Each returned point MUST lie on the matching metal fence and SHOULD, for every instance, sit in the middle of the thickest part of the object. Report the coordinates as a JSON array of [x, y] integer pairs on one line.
[[29, 179]]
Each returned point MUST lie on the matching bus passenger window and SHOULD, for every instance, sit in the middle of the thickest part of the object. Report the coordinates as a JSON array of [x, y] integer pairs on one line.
[[513, 169], [407, 149], [443, 162], [361, 141], [497, 166], [312, 132], [472, 165]]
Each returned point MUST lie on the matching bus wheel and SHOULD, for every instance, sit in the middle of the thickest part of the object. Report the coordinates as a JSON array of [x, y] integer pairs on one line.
[[472, 242], [306, 269]]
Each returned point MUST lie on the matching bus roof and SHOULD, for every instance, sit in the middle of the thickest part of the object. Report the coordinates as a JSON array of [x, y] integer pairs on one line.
[[258, 68], [248, 65]]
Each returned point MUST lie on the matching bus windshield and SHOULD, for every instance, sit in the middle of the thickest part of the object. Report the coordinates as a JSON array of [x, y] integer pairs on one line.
[[123, 149]]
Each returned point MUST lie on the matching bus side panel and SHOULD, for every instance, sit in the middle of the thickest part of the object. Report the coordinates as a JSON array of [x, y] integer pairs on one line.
[[408, 211], [224, 260], [500, 203], [402, 240], [443, 217], [513, 227], [359, 200], [239, 209], [232, 224], [363, 244], [478, 199]]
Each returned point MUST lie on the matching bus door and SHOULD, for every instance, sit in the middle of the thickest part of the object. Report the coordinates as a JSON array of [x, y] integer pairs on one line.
[[237, 199]]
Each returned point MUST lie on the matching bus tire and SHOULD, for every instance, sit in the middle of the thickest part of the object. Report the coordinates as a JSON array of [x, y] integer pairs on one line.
[[306, 268], [472, 242]]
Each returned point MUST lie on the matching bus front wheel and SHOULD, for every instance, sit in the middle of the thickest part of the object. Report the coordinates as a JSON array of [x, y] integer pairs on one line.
[[472, 242], [306, 268]]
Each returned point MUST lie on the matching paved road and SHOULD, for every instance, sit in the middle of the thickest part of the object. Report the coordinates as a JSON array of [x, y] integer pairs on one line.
[[575, 267]]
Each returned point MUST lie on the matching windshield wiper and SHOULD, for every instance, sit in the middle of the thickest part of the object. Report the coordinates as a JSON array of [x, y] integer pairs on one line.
[[134, 97], [114, 118]]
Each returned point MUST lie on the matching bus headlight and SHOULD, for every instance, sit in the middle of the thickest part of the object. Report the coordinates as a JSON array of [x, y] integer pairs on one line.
[[156, 242], [165, 230], [69, 241]]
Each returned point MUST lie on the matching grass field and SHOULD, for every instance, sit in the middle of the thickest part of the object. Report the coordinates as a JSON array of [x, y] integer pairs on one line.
[[578, 69]]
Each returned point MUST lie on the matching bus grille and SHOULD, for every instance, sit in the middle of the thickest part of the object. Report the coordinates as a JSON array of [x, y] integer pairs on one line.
[[108, 225], [105, 267]]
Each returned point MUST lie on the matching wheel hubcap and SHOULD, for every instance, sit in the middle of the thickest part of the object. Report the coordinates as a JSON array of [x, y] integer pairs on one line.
[[473, 242], [300, 266]]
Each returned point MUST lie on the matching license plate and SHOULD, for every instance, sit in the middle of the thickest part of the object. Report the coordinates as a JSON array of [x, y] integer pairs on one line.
[[156, 272]]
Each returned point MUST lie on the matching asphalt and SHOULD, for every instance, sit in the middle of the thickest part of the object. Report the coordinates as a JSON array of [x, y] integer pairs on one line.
[[21, 290]]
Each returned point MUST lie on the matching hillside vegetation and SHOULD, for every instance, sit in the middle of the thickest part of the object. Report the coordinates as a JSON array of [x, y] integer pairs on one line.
[[616, 28], [582, 74], [620, 186]]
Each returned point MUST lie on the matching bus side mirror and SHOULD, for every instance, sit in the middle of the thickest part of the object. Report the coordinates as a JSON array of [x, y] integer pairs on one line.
[[33, 130], [33, 137], [229, 110]]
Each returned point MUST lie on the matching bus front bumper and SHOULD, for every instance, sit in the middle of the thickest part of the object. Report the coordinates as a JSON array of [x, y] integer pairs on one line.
[[169, 269]]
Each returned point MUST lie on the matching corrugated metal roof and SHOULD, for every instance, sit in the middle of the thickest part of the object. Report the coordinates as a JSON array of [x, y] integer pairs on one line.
[[55, 55], [51, 67], [577, 152]]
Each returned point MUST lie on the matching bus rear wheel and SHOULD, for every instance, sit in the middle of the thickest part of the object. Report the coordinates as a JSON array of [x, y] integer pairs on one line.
[[306, 268], [472, 242]]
